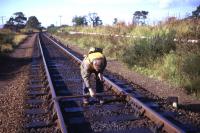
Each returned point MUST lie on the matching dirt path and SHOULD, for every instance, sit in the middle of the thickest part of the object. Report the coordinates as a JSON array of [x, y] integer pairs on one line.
[[13, 82], [25, 50]]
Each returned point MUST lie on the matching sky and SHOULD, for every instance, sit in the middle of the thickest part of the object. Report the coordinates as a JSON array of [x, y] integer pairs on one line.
[[62, 11]]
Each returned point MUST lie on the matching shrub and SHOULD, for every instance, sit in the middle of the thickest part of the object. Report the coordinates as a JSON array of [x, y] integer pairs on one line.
[[19, 39], [6, 48], [168, 68], [6, 38], [192, 86], [191, 65], [9, 40], [191, 71], [144, 51], [141, 31], [6, 41]]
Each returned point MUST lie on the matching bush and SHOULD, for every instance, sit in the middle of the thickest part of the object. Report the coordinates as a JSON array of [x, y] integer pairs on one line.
[[168, 68], [6, 38], [141, 31], [193, 86], [10, 40], [144, 51], [191, 71], [137, 54], [6, 48], [6, 41], [19, 39], [191, 65]]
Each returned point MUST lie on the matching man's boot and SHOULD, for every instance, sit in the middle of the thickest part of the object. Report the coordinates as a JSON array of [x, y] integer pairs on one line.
[[85, 101]]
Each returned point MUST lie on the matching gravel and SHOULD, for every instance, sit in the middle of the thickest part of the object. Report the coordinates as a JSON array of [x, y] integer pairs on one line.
[[11, 101]]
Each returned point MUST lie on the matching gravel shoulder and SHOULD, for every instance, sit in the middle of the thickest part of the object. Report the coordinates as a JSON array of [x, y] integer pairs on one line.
[[14, 71]]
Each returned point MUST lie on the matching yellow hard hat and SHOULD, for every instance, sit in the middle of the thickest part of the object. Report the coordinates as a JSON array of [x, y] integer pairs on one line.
[[92, 49]]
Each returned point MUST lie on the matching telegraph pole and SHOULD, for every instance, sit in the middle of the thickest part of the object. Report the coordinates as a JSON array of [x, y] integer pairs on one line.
[[60, 20], [2, 18]]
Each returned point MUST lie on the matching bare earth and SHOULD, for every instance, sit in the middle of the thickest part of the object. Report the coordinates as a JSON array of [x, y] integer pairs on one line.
[[25, 50], [13, 82]]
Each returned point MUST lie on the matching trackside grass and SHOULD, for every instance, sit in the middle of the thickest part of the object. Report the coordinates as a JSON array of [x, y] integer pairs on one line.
[[10, 40]]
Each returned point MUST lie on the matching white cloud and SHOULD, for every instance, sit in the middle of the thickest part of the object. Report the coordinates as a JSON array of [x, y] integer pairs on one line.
[[165, 3], [175, 3], [107, 2]]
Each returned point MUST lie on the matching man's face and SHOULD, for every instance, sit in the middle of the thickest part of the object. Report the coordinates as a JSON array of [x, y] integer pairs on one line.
[[97, 64]]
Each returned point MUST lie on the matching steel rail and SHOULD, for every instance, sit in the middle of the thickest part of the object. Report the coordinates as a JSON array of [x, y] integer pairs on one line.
[[74, 57], [156, 117], [87, 95], [150, 113], [56, 104]]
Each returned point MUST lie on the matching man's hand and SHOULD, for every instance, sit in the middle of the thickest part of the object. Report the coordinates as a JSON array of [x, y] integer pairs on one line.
[[92, 92], [100, 75]]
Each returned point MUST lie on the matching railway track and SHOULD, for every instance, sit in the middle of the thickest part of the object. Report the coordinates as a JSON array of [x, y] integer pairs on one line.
[[54, 101]]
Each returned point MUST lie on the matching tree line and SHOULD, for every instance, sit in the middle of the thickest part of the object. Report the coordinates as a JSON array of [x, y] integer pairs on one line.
[[19, 21], [139, 18], [91, 18], [94, 20]]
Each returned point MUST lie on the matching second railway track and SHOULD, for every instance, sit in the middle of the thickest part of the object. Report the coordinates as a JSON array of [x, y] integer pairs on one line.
[[125, 109]]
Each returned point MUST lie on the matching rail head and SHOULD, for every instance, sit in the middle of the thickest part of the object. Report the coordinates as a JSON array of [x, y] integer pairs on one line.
[[70, 54], [56, 103], [156, 117]]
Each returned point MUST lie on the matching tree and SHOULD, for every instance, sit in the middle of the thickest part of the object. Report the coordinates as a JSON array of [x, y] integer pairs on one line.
[[79, 21], [52, 28], [115, 21], [20, 19], [33, 23], [196, 13], [95, 19], [98, 21], [10, 24], [16, 22], [139, 17], [10, 21]]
